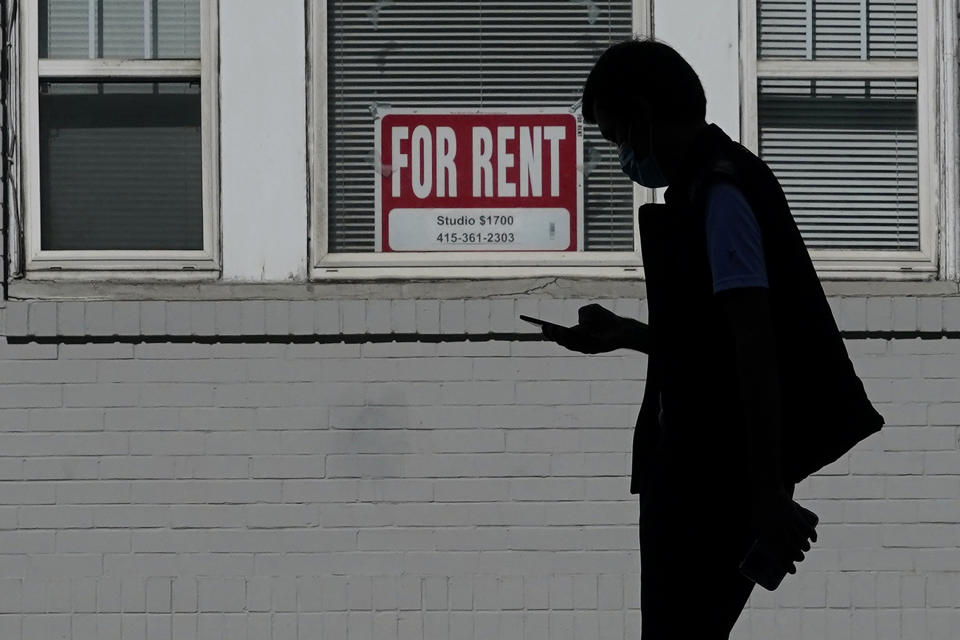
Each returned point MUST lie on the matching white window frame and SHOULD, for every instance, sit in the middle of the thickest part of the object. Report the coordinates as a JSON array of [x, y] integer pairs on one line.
[[936, 138], [136, 265], [324, 265]]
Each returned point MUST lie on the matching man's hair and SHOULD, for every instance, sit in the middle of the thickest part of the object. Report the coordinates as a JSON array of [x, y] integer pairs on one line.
[[647, 69]]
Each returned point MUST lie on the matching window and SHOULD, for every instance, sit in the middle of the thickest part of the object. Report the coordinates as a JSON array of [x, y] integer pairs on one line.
[[476, 54], [119, 140], [840, 99]]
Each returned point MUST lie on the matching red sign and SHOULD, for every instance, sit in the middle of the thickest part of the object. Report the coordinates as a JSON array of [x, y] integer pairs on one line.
[[479, 180]]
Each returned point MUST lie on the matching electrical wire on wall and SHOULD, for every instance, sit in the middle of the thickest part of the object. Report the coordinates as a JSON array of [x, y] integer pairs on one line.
[[11, 111]]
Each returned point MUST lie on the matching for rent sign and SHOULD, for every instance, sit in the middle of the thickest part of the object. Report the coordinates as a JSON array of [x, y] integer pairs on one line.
[[481, 180]]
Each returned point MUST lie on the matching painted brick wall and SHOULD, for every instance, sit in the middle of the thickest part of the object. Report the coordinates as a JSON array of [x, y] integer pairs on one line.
[[157, 487]]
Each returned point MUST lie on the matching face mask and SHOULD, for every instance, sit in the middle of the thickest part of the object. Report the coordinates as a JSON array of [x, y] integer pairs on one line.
[[645, 172]]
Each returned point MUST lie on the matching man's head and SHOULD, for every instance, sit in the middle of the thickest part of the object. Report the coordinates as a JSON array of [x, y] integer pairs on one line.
[[642, 93]]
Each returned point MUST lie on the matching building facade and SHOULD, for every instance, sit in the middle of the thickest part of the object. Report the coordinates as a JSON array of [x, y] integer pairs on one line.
[[231, 408]]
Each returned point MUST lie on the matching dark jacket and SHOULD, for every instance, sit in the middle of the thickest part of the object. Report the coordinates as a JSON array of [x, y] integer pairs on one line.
[[693, 359]]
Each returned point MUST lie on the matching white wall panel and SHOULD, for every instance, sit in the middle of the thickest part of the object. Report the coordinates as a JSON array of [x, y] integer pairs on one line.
[[263, 129], [705, 32]]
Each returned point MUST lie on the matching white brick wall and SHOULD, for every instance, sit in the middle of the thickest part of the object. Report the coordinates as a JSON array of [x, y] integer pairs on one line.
[[416, 490]]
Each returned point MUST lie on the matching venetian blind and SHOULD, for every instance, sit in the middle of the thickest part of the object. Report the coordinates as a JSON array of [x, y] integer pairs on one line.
[[132, 29], [818, 29], [475, 53], [845, 150], [845, 153]]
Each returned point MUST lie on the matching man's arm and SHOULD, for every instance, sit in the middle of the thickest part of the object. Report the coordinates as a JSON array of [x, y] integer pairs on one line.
[[747, 312]]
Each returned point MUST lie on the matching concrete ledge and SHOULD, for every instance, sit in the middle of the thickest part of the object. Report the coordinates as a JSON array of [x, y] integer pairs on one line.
[[560, 288]]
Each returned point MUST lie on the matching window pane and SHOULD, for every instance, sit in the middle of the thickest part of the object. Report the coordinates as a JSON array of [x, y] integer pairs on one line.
[[475, 53], [120, 166], [823, 29], [137, 29], [846, 154]]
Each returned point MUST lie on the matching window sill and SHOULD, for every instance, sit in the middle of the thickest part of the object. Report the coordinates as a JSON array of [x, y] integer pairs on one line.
[[198, 286]]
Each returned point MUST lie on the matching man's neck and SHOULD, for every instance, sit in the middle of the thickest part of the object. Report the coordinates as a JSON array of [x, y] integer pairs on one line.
[[678, 139]]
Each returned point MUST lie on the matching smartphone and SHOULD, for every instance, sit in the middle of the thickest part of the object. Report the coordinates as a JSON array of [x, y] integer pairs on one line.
[[539, 322]]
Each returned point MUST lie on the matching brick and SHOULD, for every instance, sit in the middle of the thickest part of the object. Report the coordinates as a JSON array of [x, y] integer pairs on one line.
[[178, 317], [609, 592], [939, 366], [912, 590], [853, 314], [886, 462], [943, 590], [941, 462], [220, 594], [99, 317], [942, 624], [879, 511], [25, 396], [16, 318], [353, 316], [905, 315], [45, 372], [849, 487], [277, 317], [227, 314], [561, 592], [552, 392], [922, 487], [930, 313], [70, 319], [428, 316], [42, 319], [301, 316], [503, 318], [153, 317], [126, 317], [403, 316], [913, 438], [943, 510], [377, 317], [920, 535], [452, 316], [477, 316], [863, 624], [435, 591], [890, 366], [409, 590], [253, 317], [951, 314], [902, 414], [879, 313], [867, 559], [838, 589], [926, 560], [888, 623]]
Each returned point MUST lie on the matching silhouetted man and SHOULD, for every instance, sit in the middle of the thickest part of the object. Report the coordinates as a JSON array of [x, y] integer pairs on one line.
[[749, 387]]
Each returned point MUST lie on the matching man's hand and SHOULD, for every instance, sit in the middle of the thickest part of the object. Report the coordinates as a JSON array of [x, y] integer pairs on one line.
[[785, 525], [599, 331]]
